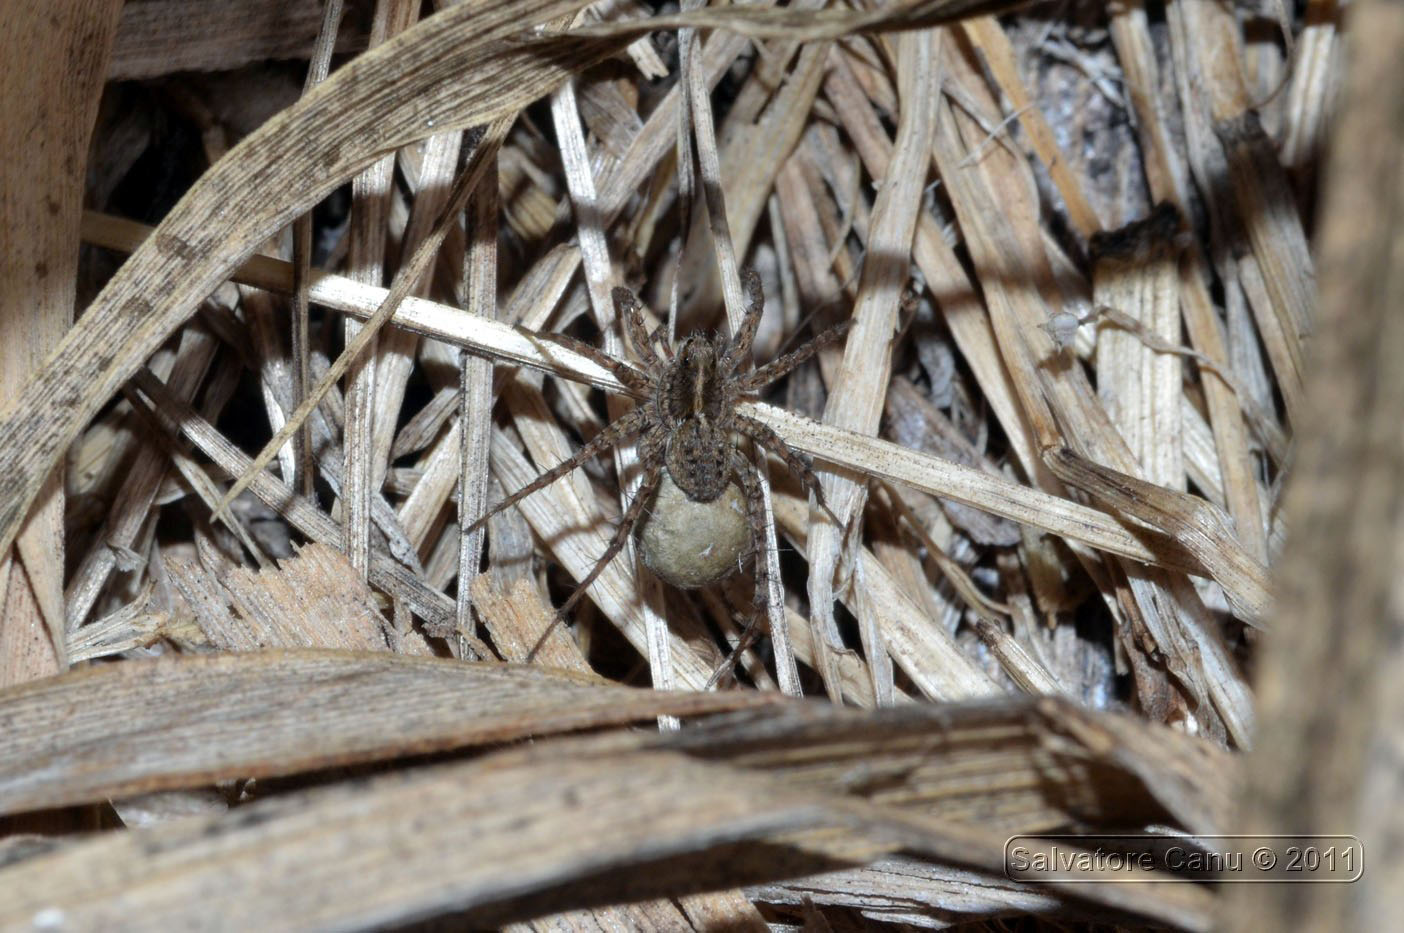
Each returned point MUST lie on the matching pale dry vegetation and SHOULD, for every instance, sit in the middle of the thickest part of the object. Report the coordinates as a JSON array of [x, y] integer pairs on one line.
[[1075, 244]]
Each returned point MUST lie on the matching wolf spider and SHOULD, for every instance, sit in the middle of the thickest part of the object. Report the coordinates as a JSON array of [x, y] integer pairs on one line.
[[684, 423]]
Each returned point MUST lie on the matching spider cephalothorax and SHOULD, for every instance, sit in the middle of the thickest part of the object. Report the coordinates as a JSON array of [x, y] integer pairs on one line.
[[692, 399], [686, 422]]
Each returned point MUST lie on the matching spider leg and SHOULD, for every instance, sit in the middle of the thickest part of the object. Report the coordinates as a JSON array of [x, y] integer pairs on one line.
[[755, 306], [626, 524], [659, 337], [749, 636], [622, 428], [630, 311], [763, 435], [636, 382], [779, 367], [755, 517]]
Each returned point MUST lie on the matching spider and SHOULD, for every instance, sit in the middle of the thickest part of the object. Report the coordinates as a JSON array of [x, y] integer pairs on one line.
[[685, 423]]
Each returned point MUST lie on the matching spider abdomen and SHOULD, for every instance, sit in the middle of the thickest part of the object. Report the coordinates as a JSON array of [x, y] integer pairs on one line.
[[689, 543], [698, 459]]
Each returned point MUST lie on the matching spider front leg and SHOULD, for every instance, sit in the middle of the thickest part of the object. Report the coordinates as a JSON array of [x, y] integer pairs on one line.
[[779, 367], [653, 467], [755, 517], [755, 307], [661, 339], [620, 429], [628, 309], [768, 439], [633, 380]]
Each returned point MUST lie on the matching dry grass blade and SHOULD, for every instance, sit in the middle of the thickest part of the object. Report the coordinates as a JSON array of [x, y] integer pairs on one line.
[[1135, 276], [200, 719], [907, 890], [518, 619], [856, 401], [626, 840], [161, 37], [1000, 58], [1022, 764], [367, 245], [1194, 523], [475, 392], [49, 91], [936, 666], [879, 458], [317, 71], [814, 25], [129, 627], [1027, 672]]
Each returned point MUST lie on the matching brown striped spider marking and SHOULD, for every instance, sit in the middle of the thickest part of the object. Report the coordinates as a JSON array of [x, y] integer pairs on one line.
[[686, 425]]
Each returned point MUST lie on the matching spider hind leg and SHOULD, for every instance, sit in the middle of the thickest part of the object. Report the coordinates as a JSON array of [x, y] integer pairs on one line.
[[755, 516], [620, 429], [769, 440], [630, 518]]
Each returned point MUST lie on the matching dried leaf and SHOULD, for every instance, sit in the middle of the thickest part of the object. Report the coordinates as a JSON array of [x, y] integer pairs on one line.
[[189, 721]]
